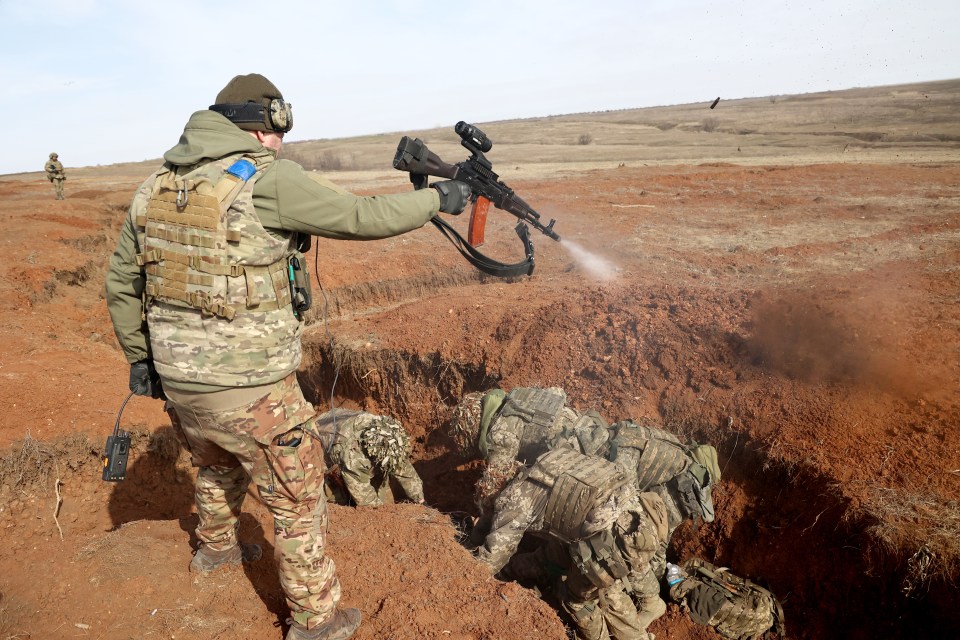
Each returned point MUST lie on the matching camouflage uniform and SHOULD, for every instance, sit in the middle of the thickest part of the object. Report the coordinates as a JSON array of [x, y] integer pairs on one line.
[[512, 431], [514, 435], [735, 607], [55, 174], [197, 286], [237, 436], [656, 460], [636, 523], [368, 451]]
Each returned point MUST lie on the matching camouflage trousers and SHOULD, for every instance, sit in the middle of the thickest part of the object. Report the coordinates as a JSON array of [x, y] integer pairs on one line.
[[251, 434], [622, 611], [58, 187]]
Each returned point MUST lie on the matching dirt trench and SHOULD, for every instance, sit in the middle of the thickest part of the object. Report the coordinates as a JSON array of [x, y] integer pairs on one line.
[[781, 524], [783, 521], [801, 319]]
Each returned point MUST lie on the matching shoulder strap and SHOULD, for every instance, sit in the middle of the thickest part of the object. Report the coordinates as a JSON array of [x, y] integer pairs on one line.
[[486, 264]]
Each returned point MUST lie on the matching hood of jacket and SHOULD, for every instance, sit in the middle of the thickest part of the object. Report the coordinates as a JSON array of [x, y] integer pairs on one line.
[[210, 136]]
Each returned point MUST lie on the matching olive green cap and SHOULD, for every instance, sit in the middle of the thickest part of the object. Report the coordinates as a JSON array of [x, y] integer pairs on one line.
[[251, 87]]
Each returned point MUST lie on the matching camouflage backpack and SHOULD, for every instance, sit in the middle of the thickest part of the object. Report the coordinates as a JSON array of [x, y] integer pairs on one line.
[[735, 607]]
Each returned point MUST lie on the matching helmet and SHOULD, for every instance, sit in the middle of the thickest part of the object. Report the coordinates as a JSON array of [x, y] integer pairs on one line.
[[465, 424], [54, 156]]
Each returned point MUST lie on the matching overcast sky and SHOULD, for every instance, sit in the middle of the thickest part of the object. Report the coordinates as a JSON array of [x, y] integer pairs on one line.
[[104, 81]]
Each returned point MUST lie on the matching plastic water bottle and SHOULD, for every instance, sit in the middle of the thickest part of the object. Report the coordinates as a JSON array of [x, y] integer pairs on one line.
[[674, 574]]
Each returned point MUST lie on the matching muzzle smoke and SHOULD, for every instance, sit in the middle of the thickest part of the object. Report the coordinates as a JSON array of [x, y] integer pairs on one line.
[[594, 265]]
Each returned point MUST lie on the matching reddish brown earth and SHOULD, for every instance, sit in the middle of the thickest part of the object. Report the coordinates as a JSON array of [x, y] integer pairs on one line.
[[803, 319]]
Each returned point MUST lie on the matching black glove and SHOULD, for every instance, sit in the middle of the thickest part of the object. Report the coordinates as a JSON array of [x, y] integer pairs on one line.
[[145, 381], [453, 195]]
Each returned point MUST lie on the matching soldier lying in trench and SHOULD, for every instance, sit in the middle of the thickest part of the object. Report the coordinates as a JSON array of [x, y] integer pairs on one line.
[[363, 452], [510, 430]]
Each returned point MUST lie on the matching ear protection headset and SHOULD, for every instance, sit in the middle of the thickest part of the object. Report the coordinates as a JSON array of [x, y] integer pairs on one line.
[[278, 117]]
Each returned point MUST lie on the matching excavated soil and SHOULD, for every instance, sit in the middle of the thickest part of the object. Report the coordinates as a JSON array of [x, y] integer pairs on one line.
[[801, 318]]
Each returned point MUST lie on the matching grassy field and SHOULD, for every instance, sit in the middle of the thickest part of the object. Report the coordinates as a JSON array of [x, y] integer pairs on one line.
[[902, 123]]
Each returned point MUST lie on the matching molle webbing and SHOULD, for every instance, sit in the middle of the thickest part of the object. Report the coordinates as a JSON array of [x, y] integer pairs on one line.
[[746, 610], [190, 217], [535, 406], [538, 409], [175, 278], [591, 432], [659, 462], [662, 457], [578, 484]]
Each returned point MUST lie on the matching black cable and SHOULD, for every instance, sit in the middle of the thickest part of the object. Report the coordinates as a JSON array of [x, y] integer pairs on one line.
[[116, 427], [326, 330]]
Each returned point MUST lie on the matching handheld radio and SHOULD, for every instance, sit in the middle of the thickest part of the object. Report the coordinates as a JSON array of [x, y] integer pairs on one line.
[[117, 450]]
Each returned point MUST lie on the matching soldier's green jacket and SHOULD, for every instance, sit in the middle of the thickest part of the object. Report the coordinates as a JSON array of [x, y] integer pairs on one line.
[[286, 199]]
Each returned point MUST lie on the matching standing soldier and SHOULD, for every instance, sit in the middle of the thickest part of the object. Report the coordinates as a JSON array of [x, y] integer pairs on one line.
[[204, 290], [55, 174]]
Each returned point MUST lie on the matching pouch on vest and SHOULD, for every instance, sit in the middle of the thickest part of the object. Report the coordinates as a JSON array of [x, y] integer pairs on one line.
[[685, 485], [591, 432], [706, 473], [538, 410], [578, 486], [300, 285], [662, 456], [192, 252], [599, 559]]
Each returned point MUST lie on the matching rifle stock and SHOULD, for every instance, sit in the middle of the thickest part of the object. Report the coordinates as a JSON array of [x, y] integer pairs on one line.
[[414, 157]]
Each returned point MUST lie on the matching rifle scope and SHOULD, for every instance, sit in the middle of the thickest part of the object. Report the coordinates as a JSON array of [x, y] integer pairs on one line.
[[472, 135]]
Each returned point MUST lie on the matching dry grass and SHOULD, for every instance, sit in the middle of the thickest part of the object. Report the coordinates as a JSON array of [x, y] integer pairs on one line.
[[107, 541], [904, 123], [920, 528], [31, 462], [14, 616]]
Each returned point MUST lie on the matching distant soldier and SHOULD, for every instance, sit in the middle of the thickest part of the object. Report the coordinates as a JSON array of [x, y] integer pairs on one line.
[[509, 430], [369, 451], [602, 532], [55, 174]]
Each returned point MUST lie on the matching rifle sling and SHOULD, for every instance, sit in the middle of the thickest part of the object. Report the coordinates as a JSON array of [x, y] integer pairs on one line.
[[483, 263]]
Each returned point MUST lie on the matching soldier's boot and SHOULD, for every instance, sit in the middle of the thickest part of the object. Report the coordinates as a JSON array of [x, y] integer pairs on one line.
[[207, 560], [339, 627]]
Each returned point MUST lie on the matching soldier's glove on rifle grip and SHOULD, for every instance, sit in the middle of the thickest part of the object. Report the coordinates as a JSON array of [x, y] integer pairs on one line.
[[144, 380], [454, 195]]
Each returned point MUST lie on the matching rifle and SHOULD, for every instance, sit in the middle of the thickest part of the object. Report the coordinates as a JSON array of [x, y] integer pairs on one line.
[[477, 172]]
